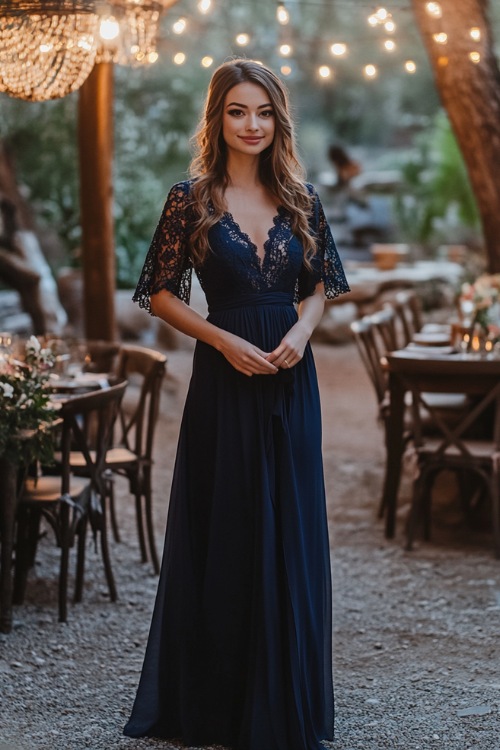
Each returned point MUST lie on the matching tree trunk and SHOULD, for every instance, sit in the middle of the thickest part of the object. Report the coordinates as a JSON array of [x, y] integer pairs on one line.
[[470, 94]]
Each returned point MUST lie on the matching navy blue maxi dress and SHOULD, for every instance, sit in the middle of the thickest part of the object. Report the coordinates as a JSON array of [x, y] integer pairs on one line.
[[239, 651]]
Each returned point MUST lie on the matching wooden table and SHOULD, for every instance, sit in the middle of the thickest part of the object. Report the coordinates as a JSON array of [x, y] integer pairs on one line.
[[466, 373], [367, 281]]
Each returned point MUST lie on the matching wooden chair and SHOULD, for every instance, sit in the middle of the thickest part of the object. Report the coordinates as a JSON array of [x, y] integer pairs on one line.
[[376, 335], [66, 501], [371, 348], [408, 309], [132, 452], [465, 446]]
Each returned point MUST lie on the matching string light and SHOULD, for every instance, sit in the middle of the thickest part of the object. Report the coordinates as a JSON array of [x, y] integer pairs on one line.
[[204, 6], [243, 39], [286, 70], [282, 15], [373, 20], [475, 33], [152, 56], [381, 14], [338, 49], [109, 28], [207, 61], [410, 66], [180, 26], [475, 57], [179, 58], [434, 10], [440, 38], [370, 71], [390, 27], [443, 61], [390, 45], [285, 50], [325, 72]]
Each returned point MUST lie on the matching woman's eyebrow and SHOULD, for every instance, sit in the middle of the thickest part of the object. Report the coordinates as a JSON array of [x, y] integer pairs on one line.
[[244, 106]]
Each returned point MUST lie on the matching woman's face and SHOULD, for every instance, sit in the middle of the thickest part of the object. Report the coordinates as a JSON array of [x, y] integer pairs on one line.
[[248, 121]]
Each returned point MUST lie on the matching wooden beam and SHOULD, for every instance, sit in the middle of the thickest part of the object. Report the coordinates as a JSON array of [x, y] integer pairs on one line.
[[95, 134]]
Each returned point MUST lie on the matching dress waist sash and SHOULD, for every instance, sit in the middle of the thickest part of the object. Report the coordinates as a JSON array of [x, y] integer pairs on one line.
[[254, 299]]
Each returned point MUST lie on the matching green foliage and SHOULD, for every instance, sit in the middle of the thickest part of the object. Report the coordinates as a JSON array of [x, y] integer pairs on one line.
[[436, 200], [153, 119]]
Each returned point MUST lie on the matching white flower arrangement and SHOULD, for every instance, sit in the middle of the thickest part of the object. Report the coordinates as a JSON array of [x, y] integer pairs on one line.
[[25, 408]]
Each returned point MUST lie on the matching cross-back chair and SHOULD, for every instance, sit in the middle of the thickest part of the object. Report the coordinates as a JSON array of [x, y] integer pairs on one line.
[[131, 454], [376, 335], [467, 445], [67, 501]]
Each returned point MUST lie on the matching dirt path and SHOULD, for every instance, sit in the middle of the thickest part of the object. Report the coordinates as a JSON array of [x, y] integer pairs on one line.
[[415, 634]]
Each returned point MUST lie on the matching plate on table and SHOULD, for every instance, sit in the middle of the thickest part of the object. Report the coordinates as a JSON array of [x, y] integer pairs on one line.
[[432, 338], [81, 383], [431, 351]]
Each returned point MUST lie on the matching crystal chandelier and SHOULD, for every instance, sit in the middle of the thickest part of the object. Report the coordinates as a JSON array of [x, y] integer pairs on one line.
[[128, 30], [47, 48]]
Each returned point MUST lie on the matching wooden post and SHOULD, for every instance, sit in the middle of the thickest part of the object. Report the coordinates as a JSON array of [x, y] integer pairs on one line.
[[95, 118]]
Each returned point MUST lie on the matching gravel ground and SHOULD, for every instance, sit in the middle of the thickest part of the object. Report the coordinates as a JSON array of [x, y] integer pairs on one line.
[[415, 634]]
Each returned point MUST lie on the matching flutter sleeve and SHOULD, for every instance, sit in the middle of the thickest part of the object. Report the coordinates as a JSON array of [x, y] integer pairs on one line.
[[168, 264], [326, 263]]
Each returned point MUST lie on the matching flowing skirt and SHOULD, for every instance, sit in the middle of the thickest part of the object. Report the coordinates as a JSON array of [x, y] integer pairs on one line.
[[239, 651]]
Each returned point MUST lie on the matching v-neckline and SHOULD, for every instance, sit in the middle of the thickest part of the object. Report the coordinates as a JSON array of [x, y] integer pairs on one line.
[[260, 258]]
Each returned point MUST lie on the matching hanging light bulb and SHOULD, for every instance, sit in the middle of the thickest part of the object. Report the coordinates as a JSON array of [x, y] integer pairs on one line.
[[410, 66], [390, 45], [381, 14], [179, 26], [339, 49], [282, 15], [243, 39], [440, 38], [475, 57], [109, 28], [325, 72], [286, 70], [207, 61], [390, 27], [179, 58], [373, 20], [204, 6], [434, 10], [475, 33], [285, 50], [370, 71]]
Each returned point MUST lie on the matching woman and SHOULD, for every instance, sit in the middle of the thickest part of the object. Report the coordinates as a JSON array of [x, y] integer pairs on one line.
[[239, 651]]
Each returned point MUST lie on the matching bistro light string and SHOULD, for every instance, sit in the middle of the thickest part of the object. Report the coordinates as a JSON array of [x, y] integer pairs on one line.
[[378, 18]]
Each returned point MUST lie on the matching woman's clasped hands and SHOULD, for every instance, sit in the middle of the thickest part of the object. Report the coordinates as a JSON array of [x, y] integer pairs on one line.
[[250, 360]]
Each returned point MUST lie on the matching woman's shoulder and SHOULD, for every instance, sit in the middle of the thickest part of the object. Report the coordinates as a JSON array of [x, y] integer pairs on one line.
[[182, 188], [311, 189]]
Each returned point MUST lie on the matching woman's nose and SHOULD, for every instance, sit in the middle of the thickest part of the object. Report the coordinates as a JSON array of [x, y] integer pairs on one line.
[[252, 123]]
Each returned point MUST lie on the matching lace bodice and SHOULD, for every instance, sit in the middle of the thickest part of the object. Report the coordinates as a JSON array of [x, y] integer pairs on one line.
[[233, 267]]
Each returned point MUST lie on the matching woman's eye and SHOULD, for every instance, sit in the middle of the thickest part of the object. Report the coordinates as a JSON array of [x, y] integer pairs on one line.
[[235, 112], [267, 113]]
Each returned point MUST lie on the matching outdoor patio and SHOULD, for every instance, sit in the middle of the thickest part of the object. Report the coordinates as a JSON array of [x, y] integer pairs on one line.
[[415, 634]]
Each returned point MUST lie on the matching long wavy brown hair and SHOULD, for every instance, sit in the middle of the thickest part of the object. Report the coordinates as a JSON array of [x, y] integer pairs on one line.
[[280, 169]]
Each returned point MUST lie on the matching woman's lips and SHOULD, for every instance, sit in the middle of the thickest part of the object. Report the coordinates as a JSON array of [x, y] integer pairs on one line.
[[249, 139]]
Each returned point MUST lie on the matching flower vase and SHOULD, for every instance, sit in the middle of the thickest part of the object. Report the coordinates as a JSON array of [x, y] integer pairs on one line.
[[8, 498]]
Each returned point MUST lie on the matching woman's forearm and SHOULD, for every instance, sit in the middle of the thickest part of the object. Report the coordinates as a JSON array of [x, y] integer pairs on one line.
[[183, 318], [311, 309]]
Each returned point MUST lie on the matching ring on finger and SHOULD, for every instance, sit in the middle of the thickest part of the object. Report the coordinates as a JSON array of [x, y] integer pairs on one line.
[[286, 362]]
